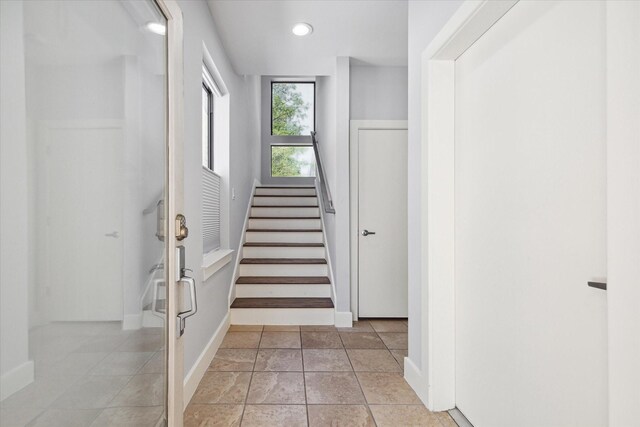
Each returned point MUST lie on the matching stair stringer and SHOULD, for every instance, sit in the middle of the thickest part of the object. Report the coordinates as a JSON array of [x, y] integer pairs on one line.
[[340, 319], [241, 242]]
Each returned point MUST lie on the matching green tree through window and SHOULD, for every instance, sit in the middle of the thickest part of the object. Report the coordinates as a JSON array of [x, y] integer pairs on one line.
[[291, 161], [290, 105]]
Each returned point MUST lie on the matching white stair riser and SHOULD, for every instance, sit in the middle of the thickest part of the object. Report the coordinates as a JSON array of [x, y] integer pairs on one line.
[[283, 291], [282, 316], [283, 270], [285, 191], [282, 252], [284, 237], [279, 224], [285, 201], [292, 212]]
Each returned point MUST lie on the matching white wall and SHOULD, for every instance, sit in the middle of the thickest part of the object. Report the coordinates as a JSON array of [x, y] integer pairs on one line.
[[340, 188], [426, 18], [326, 124], [244, 167], [378, 93], [15, 369]]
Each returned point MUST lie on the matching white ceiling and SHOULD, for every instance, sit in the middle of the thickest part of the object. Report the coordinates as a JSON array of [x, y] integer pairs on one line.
[[258, 40]]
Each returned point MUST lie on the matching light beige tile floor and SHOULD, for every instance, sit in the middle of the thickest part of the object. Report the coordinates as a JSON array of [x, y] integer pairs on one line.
[[96, 374], [311, 376]]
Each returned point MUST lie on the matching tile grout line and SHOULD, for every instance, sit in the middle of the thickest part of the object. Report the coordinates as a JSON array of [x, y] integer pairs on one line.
[[246, 397], [304, 379], [366, 402], [389, 350]]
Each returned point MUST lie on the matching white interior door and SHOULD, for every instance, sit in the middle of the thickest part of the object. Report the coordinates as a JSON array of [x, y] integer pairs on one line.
[[84, 230], [530, 219], [382, 209]]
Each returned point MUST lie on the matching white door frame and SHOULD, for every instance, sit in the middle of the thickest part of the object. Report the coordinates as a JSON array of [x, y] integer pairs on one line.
[[623, 211], [355, 127], [436, 383], [174, 204]]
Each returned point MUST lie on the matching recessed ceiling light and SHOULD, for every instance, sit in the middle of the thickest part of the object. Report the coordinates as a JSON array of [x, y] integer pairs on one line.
[[156, 28], [302, 29]]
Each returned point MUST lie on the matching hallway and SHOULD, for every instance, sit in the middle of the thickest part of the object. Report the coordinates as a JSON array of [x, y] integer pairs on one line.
[[311, 375], [319, 213]]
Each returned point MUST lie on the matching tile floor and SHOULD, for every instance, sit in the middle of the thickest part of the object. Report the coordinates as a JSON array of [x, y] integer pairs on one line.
[[95, 374], [90, 374], [311, 376]]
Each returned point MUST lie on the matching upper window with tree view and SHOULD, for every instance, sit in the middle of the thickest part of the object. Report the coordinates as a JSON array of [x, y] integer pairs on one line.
[[292, 108]]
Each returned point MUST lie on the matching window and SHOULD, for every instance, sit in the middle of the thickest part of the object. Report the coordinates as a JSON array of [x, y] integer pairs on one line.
[[209, 89], [207, 126], [292, 108], [210, 180], [292, 161]]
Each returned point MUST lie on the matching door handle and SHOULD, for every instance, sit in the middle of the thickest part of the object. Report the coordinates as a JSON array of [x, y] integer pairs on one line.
[[182, 316], [365, 233], [113, 234], [598, 285]]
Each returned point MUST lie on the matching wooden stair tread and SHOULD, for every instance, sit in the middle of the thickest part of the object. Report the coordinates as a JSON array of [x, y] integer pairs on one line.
[[284, 206], [283, 245], [284, 217], [283, 261], [282, 303], [283, 230], [294, 187], [284, 195], [283, 280]]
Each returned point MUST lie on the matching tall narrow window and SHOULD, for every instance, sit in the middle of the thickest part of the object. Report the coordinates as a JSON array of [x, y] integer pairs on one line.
[[207, 125], [210, 180]]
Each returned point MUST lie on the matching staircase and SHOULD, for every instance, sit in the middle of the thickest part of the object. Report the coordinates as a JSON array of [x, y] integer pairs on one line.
[[283, 275]]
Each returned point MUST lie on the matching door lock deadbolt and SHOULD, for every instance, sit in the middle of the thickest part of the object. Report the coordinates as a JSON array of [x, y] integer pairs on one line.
[[182, 232]]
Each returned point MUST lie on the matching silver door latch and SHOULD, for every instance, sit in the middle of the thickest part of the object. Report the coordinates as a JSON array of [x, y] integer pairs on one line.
[[365, 233]]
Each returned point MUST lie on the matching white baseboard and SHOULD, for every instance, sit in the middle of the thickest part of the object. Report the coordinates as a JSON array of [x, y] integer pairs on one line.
[[459, 418], [416, 380], [344, 319], [16, 379], [132, 321], [197, 371]]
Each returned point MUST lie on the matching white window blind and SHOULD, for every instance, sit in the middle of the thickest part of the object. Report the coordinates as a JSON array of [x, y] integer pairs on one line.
[[210, 210]]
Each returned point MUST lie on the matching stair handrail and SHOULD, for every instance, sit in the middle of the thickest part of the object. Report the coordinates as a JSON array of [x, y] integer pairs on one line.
[[327, 201]]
